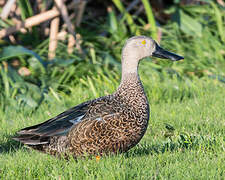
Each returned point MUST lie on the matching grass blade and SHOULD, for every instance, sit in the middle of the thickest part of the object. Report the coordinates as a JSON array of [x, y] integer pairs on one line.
[[219, 22], [129, 18], [151, 19]]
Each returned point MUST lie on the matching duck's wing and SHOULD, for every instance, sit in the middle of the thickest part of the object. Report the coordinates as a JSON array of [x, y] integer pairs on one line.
[[57, 126]]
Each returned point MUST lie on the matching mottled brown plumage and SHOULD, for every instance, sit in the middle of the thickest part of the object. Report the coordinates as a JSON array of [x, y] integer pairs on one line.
[[109, 124]]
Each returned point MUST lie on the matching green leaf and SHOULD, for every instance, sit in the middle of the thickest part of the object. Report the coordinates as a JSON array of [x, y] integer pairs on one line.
[[187, 24], [150, 17], [169, 127], [128, 17], [113, 25], [61, 62], [14, 51], [25, 8], [219, 21], [27, 100]]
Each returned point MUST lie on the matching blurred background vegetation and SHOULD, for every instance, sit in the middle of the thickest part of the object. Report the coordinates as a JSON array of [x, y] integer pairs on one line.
[[192, 28]]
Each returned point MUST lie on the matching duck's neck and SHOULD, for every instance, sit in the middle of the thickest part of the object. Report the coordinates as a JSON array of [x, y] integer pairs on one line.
[[129, 64], [131, 91], [129, 82], [129, 68]]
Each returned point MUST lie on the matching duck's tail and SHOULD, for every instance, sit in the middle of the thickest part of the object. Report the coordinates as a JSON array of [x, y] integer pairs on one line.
[[29, 136], [31, 139]]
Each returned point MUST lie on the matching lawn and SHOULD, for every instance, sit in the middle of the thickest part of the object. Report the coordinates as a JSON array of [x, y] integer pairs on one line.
[[191, 147]]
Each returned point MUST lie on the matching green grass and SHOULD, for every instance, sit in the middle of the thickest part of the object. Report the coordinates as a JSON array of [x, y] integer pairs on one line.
[[194, 150]]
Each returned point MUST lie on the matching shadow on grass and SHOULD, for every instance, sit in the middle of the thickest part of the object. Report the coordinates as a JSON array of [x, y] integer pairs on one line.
[[10, 145], [180, 144], [150, 149]]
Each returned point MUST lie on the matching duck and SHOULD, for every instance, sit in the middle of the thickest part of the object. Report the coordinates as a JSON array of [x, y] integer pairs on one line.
[[107, 125]]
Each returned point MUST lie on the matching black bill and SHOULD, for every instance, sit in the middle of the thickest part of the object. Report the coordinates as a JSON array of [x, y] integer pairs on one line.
[[161, 53]]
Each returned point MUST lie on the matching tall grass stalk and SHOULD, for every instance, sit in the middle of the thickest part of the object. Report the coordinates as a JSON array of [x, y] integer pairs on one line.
[[25, 8], [219, 21], [151, 19], [129, 18]]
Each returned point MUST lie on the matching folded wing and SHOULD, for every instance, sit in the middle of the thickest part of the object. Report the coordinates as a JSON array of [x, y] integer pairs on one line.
[[57, 126]]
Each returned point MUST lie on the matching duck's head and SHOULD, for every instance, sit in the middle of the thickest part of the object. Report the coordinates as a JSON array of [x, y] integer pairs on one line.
[[139, 47]]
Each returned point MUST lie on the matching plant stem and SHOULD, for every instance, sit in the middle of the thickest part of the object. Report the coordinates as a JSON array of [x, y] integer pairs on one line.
[[129, 18], [151, 19]]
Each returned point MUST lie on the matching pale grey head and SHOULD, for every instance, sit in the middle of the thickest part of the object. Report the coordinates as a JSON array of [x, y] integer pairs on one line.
[[139, 47]]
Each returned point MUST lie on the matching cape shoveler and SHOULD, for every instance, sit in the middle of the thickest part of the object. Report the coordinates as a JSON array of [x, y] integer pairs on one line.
[[109, 124]]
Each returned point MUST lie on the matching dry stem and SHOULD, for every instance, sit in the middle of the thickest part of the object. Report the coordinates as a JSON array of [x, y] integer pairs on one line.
[[29, 22]]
